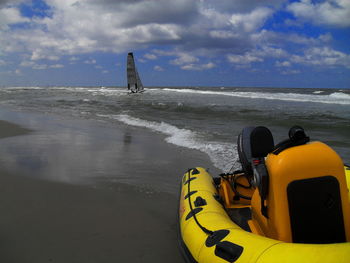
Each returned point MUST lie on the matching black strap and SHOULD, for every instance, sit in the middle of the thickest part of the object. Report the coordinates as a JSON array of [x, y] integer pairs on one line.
[[262, 182], [289, 143], [264, 189], [297, 137]]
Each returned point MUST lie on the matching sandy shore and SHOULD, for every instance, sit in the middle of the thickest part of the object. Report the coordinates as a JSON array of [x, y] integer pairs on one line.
[[8, 129], [45, 221]]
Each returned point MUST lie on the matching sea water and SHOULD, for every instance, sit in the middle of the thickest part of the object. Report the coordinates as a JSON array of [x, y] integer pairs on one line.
[[204, 119]]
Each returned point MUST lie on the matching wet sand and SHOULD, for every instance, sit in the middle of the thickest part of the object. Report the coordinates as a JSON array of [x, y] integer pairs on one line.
[[45, 220], [8, 129]]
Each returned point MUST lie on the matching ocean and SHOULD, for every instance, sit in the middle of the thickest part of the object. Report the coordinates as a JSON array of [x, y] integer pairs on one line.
[[203, 119]]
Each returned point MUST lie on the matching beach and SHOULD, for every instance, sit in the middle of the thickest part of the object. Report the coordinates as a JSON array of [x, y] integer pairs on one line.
[[8, 129], [48, 220], [92, 174]]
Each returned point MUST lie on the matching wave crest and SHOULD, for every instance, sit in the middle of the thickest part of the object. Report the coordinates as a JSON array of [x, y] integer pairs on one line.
[[333, 98], [222, 155]]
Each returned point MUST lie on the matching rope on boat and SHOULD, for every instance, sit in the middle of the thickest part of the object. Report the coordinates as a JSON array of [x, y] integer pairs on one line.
[[205, 230]]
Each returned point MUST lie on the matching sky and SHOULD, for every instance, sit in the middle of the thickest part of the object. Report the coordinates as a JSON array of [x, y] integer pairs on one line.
[[237, 43]]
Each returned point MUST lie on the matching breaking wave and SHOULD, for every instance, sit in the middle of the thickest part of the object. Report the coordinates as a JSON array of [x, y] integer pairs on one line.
[[223, 155], [316, 97]]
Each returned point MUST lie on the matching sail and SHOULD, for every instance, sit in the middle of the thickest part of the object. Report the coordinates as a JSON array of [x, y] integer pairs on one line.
[[134, 81]]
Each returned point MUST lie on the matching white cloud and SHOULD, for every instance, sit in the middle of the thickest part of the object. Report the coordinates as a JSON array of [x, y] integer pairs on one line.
[[213, 18], [283, 63], [257, 55], [290, 72], [158, 68], [37, 55], [90, 61], [16, 72], [329, 12], [326, 37], [40, 66], [247, 58], [77, 27], [268, 37], [87, 26], [2, 62], [141, 60], [223, 34], [251, 21], [26, 63], [198, 67], [270, 51], [6, 2], [323, 56], [57, 66], [34, 65], [9, 16], [114, 25], [150, 56], [73, 59], [241, 6], [184, 58], [190, 29]]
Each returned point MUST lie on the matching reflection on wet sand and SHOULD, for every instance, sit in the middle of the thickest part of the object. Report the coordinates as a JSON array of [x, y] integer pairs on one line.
[[82, 151], [127, 137]]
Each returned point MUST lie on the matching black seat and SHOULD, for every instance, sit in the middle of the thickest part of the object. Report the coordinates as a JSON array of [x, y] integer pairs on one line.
[[261, 142], [244, 150], [253, 142]]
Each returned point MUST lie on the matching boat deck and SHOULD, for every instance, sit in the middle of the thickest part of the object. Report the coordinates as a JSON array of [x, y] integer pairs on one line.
[[240, 216]]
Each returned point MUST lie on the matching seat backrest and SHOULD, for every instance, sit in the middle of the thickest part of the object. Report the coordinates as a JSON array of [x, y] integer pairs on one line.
[[307, 200], [244, 150], [253, 142], [261, 142]]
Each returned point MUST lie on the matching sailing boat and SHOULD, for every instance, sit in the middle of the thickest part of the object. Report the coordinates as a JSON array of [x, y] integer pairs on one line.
[[134, 81]]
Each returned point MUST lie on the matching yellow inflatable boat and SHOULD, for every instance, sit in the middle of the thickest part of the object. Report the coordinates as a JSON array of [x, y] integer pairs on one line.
[[289, 203]]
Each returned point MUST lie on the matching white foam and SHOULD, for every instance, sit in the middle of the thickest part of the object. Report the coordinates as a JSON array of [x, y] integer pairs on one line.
[[334, 98], [223, 155], [70, 88], [340, 95], [95, 91], [21, 88]]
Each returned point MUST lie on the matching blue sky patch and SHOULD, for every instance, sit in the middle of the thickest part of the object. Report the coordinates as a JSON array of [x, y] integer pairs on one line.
[[35, 8]]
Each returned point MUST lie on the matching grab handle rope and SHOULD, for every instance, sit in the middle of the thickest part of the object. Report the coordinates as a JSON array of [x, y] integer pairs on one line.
[[205, 230]]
